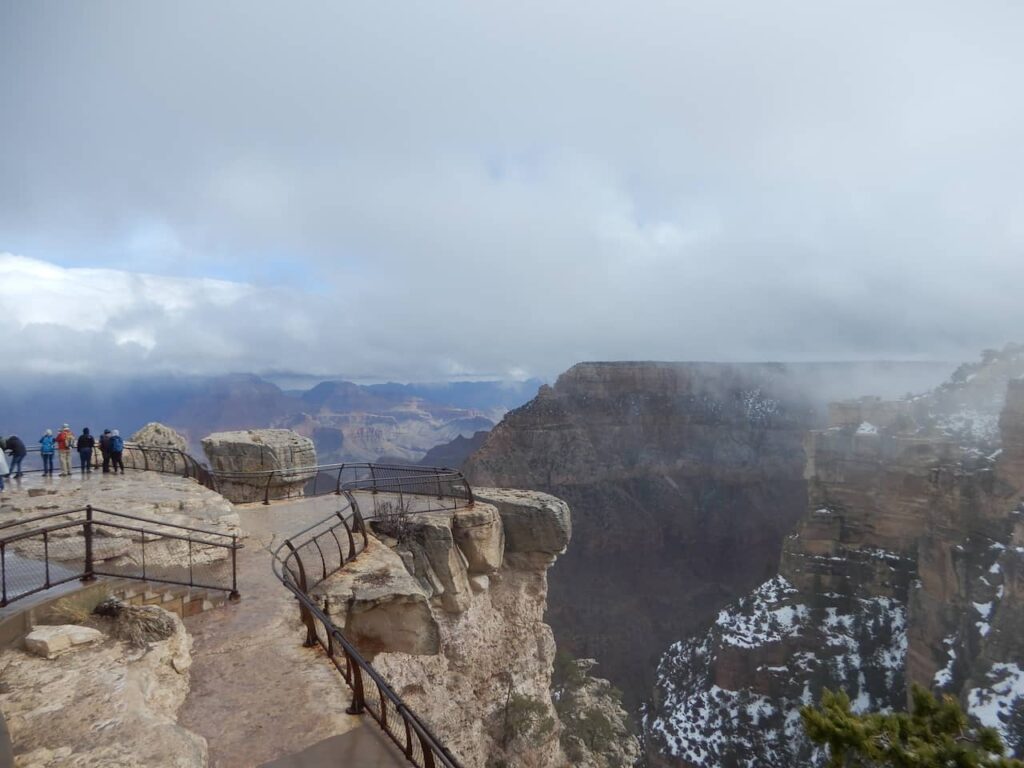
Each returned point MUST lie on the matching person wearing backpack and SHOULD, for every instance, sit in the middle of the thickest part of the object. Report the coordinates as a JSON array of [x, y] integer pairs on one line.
[[47, 445], [105, 449], [15, 446], [65, 442], [3, 468], [116, 451], [86, 442]]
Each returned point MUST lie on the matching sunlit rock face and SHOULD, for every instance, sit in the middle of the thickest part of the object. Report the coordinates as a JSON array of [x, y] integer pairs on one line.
[[683, 479], [905, 568], [260, 451]]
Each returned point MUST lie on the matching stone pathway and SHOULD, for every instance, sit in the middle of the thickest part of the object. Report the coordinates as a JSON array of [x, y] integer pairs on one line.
[[256, 694]]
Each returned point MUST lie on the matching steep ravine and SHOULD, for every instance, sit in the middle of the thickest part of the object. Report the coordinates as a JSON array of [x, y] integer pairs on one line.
[[906, 567]]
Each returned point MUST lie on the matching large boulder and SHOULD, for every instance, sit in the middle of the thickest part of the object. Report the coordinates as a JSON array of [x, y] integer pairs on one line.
[[157, 435], [481, 537], [534, 522], [52, 641], [380, 605], [279, 458]]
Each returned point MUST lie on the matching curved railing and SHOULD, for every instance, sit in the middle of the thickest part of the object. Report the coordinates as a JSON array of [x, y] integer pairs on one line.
[[168, 461], [312, 555], [447, 488], [44, 551]]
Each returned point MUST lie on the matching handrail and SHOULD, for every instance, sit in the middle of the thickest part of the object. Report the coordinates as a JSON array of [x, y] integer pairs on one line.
[[23, 573], [416, 740]]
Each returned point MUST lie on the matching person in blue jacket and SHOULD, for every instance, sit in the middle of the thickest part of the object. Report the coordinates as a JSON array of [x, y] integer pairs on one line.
[[47, 446], [116, 451]]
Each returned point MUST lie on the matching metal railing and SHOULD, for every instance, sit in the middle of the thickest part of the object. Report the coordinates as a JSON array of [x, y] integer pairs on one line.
[[438, 487], [41, 552], [312, 555], [168, 461]]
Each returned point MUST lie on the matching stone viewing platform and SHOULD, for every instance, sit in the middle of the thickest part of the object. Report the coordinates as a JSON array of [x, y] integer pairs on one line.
[[429, 599]]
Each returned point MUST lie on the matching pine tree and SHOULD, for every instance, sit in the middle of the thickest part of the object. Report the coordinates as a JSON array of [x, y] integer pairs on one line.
[[934, 734]]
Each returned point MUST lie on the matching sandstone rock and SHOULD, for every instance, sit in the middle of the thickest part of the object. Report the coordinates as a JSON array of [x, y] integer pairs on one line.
[[104, 706], [481, 536], [158, 435], [260, 450], [533, 521], [479, 583], [380, 605], [433, 532], [52, 641]]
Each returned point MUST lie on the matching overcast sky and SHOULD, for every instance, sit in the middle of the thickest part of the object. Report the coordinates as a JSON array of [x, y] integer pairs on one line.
[[432, 190]]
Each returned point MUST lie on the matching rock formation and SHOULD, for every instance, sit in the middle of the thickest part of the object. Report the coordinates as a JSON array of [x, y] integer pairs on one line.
[[906, 567], [171, 460], [683, 479], [450, 606], [276, 460], [157, 435]]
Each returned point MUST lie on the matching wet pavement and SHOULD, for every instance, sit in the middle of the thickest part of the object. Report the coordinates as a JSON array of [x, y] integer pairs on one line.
[[257, 695]]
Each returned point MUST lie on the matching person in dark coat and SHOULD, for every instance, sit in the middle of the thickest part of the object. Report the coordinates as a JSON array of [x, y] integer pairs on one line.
[[86, 442], [105, 449], [16, 447]]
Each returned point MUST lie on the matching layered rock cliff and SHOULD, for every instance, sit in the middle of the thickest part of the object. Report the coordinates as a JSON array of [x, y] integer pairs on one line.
[[450, 608], [906, 567], [683, 479]]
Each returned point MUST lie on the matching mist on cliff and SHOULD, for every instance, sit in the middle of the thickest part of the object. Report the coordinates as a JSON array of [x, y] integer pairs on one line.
[[450, 190]]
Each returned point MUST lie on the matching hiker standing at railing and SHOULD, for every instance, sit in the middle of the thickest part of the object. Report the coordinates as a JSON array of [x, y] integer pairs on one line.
[[116, 451], [105, 449], [65, 442], [86, 442], [3, 468], [47, 445], [15, 446]]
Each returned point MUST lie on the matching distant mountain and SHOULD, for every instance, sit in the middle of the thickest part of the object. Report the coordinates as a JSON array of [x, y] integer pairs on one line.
[[347, 421]]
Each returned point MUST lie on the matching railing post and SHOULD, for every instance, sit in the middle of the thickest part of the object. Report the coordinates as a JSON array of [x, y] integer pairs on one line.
[[304, 612], [3, 570], [358, 700], [437, 476], [234, 569], [373, 478], [337, 488], [266, 493], [46, 556], [89, 575]]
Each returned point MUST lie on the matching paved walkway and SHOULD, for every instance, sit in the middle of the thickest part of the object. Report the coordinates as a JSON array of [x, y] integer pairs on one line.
[[257, 695]]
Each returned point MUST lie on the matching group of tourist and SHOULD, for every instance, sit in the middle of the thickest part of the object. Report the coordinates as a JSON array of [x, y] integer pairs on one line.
[[110, 444]]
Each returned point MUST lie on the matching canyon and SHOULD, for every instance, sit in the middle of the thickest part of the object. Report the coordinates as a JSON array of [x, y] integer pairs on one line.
[[904, 568]]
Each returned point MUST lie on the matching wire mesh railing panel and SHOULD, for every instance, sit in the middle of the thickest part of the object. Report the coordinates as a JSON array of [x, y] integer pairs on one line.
[[41, 560]]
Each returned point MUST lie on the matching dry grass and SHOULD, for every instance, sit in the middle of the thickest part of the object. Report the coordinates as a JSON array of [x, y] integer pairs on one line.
[[137, 625]]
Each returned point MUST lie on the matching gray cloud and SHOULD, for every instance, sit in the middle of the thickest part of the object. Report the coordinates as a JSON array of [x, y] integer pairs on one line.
[[463, 188]]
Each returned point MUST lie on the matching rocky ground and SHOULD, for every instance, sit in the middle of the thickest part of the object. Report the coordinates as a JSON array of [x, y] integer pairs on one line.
[[101, 704]]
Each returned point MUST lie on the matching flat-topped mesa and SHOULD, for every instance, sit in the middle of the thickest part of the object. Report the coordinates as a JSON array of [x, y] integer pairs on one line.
[[257, 464]]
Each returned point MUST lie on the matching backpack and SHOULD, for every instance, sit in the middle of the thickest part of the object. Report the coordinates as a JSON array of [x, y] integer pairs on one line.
[[116, 444], [46, 443]]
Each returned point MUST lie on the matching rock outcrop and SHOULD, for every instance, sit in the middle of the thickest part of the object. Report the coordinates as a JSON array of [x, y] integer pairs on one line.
[[279, 458], [157, 435], [101, 704], [905, 568], [451, 609]]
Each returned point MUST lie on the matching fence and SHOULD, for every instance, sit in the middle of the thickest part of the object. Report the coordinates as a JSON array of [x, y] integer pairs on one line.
[[315, 553], [41, 552], [168, 461]]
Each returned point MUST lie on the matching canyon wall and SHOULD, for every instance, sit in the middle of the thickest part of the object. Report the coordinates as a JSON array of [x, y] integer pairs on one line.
[[683, 478], [906, 567]]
